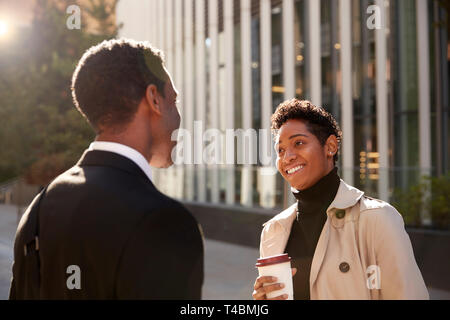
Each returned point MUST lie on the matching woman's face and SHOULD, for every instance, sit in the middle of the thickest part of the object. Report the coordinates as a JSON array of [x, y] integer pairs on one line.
[[301, 159]]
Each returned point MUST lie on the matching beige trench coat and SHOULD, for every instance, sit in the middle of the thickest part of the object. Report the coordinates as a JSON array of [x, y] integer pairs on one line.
[[363, 251]]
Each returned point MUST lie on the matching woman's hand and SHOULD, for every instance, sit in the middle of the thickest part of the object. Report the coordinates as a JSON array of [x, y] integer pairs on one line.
[[260, 291]]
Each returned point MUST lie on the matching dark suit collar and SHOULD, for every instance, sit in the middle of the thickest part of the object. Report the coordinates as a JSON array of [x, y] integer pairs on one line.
[[110, 159]]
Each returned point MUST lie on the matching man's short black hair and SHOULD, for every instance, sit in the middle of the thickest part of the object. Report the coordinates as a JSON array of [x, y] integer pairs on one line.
[[319, 122], [111, 79]]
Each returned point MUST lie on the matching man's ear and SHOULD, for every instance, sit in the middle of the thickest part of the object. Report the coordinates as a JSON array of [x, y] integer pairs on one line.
[[331, 145], [153, 99]]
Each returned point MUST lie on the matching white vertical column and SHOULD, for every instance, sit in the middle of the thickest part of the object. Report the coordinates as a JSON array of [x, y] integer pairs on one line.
[[155, 21], [200, 89], [345, 18], [132, 29], [170, 64], [289, 62], [121, 11], [266, 63], [169, 36], [161, 27], [423, 59], [247, 106], [148, 7], [315, 55], [179, 83], [229, 85], [161, 178], [266, 175], [143, 30], [188, 101], [382, 106], [288, 49], [213, 25], [178, 77]]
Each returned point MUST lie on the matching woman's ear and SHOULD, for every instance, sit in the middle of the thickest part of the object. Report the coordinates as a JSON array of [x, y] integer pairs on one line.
[[331, 145], [153, 99]]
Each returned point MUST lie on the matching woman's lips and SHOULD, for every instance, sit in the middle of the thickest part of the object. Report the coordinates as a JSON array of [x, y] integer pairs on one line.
[[293, 170]]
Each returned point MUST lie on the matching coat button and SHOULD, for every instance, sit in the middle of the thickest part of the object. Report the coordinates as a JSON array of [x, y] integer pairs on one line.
[[344, 267], [340, 214]]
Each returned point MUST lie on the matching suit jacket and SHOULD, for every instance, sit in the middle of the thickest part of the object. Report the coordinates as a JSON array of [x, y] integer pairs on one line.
[[363, 250], [106, 232]]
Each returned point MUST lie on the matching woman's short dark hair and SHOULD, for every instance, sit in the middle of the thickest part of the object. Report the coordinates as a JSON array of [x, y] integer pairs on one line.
[[319, 122], [111, 79]]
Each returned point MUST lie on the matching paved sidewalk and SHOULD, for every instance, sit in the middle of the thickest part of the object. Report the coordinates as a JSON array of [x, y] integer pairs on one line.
[[229, 268], [229, 271], [8, 225]]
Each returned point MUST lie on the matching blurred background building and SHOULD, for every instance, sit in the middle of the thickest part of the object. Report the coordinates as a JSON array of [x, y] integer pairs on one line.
[[381, 67]]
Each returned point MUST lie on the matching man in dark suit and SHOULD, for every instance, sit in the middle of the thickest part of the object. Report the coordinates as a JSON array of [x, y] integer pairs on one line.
[[103, 230]]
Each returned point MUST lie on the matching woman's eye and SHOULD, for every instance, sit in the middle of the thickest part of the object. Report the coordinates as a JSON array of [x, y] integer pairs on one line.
[[298, 143], [280, 150]]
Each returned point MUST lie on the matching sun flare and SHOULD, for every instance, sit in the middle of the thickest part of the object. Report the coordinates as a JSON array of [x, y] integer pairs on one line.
[[3, 28]]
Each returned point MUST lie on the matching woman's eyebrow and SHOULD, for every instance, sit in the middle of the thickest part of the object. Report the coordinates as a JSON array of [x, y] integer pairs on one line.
[[298, 135], [293, 136]]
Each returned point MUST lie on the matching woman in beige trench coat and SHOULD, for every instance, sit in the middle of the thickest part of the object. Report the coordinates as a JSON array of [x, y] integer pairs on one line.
[[344, 244]]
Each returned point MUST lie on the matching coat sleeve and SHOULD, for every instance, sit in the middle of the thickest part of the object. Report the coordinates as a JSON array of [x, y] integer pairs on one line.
[[261, 241], [163, 259], [400, 275], [267, 234]]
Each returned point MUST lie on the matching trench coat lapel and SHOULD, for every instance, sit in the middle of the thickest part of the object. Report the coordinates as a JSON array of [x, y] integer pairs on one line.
[[346, 197], [319, 253]]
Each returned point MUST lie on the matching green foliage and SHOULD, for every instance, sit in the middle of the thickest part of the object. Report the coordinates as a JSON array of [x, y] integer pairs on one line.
[[432, 195], [41, 133], [440, 201], [409, 203]]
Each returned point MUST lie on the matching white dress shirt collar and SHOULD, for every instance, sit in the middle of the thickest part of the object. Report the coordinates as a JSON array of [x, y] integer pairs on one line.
[[125, 151]]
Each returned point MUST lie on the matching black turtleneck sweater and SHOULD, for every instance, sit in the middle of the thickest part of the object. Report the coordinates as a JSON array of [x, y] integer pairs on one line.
[[312, 204]]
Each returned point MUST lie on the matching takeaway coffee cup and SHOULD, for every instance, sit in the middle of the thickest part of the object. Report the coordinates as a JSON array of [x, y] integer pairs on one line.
[[277, 266]]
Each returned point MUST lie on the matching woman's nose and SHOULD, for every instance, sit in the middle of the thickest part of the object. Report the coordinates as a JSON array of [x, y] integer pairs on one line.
[[290, 156]]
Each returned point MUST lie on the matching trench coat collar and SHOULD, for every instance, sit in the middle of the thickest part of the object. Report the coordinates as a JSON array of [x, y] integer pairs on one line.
[[346, 197]]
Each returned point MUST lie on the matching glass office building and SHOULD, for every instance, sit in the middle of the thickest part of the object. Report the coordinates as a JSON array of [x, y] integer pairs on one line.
[[381, 67]]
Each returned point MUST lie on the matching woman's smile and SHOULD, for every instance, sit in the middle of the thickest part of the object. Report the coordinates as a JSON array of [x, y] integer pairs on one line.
[[294, 170]]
